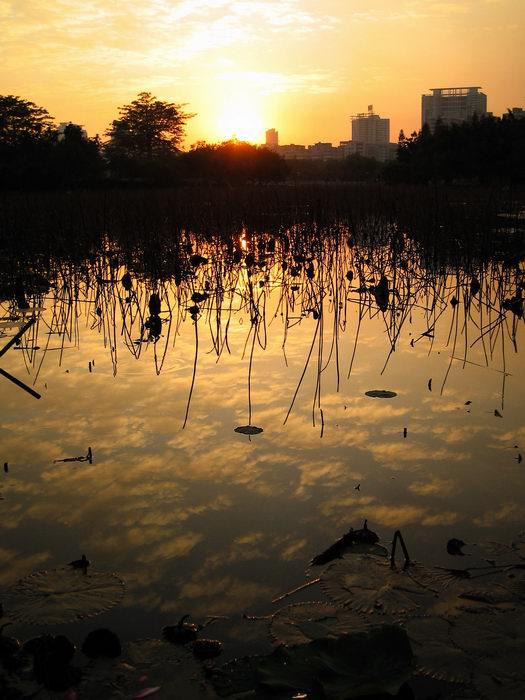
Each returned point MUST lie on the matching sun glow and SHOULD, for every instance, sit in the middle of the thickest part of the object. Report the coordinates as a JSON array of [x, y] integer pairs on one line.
[[240, 121]]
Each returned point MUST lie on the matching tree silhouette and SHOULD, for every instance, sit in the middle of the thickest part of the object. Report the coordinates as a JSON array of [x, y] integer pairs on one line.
[[77, 158], [26, 143], [22, 121], [233, 161], [147, 128]]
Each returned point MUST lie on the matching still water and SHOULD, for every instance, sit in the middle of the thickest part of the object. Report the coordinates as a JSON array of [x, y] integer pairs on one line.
[[200, 519]]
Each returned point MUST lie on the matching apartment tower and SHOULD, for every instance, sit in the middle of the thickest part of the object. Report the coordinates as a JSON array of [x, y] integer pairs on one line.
[[452, 105]]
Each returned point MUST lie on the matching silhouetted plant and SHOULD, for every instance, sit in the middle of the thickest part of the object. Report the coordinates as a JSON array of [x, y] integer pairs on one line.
[[147, 130]]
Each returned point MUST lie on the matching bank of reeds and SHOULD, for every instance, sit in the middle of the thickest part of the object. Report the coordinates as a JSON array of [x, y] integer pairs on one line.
[[137, 282]]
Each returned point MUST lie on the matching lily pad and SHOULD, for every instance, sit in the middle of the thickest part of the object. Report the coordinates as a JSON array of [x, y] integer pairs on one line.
[[172, 669], [499, 686], [380, 394], [436, 655], [148, 668], [235, 677], [455, 603], [370, 585], [248, 430], [492, 637], [303, 622], [62, 595], [377, 661], [495, 643]]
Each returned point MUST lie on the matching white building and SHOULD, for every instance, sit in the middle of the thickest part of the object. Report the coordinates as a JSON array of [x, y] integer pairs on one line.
[[452, 105]]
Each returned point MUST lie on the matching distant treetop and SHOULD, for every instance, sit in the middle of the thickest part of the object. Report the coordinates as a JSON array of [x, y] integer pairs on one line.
[[21, 120], [148, 128]]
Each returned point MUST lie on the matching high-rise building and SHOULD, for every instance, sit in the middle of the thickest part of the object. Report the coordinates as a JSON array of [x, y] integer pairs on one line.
[[368, 127], [370, 136], [452, 105], [272, 138]]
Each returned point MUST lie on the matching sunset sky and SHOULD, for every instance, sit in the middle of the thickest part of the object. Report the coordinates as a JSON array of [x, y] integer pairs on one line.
[[301, 66]]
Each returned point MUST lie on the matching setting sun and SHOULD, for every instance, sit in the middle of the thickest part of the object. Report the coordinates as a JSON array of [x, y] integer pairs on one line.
[[240, 121]]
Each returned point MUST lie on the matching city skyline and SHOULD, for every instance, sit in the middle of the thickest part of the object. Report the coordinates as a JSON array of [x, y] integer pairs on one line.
[[244, 66]]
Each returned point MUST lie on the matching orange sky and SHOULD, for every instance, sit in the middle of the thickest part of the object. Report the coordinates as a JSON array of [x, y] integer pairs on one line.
[[301, 66]]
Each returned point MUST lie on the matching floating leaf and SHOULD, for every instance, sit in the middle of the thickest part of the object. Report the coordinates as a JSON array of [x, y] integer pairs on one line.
[[148, 667], [237, 676], [496, 548], [380, 394], [304, 622], [377, 661], [444, 579], [427, 578], [436, 656], [495, 639], [495, 594], [497, 685], [369, 584], [248, 430], [467, 598], [63, 595], [172, 669]]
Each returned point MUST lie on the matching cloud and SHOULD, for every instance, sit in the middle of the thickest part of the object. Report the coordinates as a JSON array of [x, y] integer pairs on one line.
[[506, 512], [268, 83], [433, 487], [13, 565], [219, 596], [144, 32], [440, 519]]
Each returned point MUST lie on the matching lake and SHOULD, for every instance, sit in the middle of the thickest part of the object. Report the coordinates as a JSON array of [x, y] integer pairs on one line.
[[286, 331]]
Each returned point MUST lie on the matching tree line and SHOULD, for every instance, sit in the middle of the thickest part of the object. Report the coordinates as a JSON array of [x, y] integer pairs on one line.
[[485, 150], [143, 146]]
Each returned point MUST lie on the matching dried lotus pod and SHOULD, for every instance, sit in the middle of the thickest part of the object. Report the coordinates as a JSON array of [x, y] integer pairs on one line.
[[207, 648], [181, 633]]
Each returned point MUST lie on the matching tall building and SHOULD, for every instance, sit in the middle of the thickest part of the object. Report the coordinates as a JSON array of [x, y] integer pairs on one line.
[[368, 127], [272, 138], [370, 136], [452, 105]]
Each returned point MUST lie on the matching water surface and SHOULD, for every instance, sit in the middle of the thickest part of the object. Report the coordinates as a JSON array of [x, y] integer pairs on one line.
[[200, 519]]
